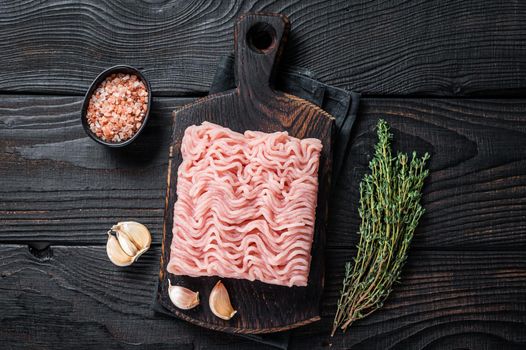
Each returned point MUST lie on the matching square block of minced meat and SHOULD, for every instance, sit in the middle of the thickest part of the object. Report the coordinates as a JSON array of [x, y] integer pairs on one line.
[[246, 205]]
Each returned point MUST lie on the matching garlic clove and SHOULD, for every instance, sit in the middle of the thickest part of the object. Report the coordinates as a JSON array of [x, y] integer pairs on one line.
[[129, 238], [220, 302], [116, 253], [126, 244], [182, 297], [136, 237], [137, 233]]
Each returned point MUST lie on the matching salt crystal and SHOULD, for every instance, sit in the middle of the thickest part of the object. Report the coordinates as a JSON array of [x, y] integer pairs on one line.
[[113, 108]]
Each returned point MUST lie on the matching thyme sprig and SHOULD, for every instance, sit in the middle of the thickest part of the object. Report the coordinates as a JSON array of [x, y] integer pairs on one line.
[[390, 210]]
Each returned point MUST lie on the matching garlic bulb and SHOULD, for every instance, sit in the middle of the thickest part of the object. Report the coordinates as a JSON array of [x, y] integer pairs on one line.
[[182, 297], [127, 241], [220, 302]]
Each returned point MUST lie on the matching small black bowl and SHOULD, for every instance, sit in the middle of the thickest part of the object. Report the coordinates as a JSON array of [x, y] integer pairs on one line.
[[98, 80]]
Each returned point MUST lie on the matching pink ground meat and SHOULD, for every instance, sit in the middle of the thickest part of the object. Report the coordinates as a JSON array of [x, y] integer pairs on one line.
[[246, 205]]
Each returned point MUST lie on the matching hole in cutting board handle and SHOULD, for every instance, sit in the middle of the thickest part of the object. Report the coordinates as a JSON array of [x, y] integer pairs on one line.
[[261, 37]]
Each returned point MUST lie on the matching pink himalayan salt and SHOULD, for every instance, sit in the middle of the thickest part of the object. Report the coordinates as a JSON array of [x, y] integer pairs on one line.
[[117, 107]]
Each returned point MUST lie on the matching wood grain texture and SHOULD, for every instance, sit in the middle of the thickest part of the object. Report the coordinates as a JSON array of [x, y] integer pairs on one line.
[[74, 295], [445, 300], [474, 195], [58, 185], [464, 285], [254, 105], [414, 47]]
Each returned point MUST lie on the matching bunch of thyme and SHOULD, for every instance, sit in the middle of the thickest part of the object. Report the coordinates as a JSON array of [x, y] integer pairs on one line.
[[390, 210]]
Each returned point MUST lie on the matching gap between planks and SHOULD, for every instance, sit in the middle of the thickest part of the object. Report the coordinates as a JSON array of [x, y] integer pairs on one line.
[[501, 95]]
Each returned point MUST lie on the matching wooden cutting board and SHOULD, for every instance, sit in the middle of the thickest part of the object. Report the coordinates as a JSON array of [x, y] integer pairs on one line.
[[254, 105]]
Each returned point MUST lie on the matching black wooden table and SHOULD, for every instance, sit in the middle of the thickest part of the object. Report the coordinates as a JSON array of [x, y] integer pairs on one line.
[[449, 76]]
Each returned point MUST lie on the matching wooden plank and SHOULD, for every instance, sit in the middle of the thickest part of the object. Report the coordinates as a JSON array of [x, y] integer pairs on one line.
[[474, 194], [58, 185], [416, 47], [446, 299], [74, 295]]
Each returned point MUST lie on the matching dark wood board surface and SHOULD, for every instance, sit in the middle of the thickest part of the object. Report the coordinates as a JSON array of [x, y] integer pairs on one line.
[[253, 105], [74, 295], [468, 279], [473, 198], [464, 285], [422, 47]]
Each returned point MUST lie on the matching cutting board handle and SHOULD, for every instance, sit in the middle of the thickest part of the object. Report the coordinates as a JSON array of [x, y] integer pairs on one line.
[[259, 41]]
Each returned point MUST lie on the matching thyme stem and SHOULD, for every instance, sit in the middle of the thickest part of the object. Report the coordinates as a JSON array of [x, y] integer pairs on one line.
[[390, 210]]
